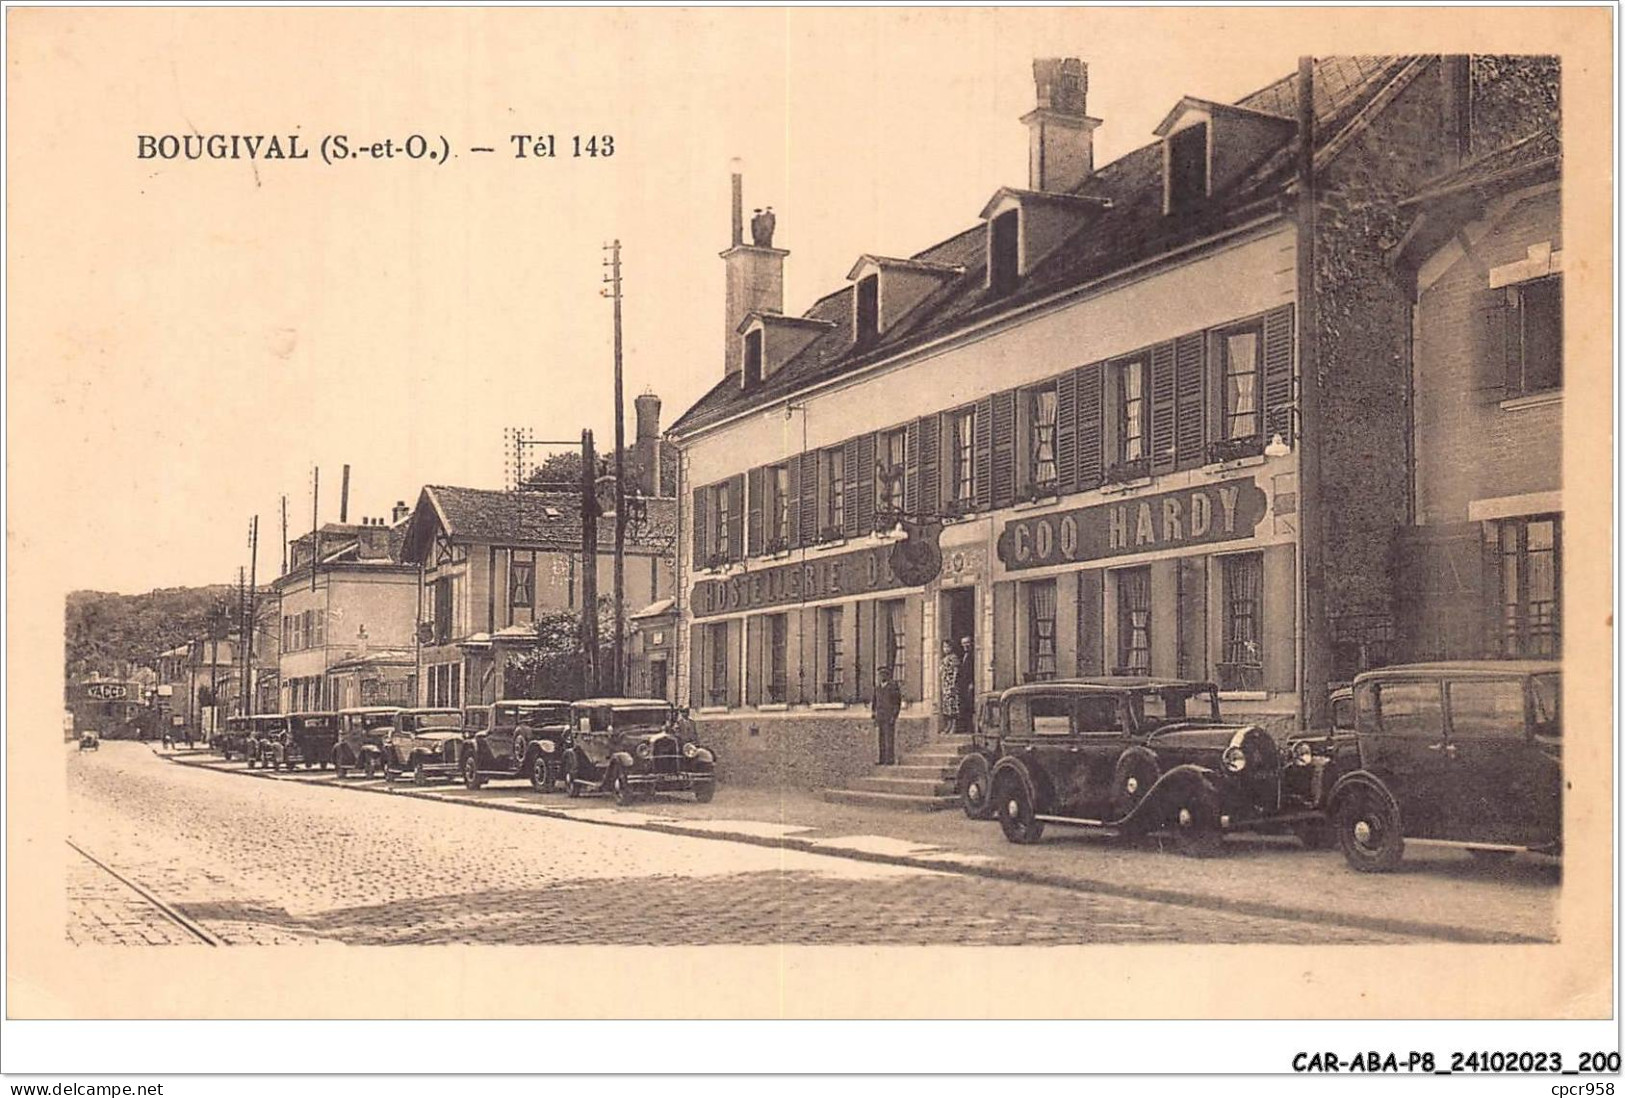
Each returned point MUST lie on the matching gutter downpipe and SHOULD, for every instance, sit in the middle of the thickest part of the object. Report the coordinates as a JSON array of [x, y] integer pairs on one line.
[[1313, 651]]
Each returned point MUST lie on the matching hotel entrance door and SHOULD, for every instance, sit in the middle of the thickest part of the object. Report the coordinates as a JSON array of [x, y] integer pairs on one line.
[[957, 668]]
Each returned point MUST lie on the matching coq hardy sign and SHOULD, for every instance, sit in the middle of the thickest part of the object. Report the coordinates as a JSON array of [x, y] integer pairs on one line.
[[1193, 516], [829, 577]]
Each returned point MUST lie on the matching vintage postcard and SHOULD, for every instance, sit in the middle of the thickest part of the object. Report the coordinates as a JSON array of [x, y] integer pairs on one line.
[[794, 512]]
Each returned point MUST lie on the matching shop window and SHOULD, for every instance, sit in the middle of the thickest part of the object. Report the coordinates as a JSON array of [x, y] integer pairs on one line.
[[962, 456], [1242, 365], [1130, 411], [1531, 586], [778, 679], [891, 457], [1187, 168], [1041, 630], [716, 664], [1041, 407], [522, 584], [1134, 621], [831, 687], [831, 494], [889, 652], [1243, 665], [1534, 336]]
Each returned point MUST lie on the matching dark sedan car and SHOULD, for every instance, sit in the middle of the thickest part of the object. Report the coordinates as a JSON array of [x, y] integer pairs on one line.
[[516, 738], [632, 746], [1130, 754], [427, 743], [1468, 754]]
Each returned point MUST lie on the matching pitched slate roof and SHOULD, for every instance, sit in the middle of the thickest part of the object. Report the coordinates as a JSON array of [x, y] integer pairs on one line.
[[1535, 154], [1127, 228], [540, 520]]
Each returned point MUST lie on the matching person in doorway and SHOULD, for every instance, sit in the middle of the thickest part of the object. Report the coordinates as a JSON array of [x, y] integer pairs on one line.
[[965, 680], [948, 682], [887, 704]]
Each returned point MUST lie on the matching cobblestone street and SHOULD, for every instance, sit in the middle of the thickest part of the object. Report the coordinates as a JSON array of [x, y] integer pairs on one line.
[[278, 862]]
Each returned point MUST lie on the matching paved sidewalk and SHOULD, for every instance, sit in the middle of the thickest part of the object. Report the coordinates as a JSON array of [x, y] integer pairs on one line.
[[1437, 893]]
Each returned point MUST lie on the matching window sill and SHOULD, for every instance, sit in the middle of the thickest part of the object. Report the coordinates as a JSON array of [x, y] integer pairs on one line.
[[1533, 400], [827, 705], [826, 546], [1219, 468], [1244, 695], [1041, 501], [711, 710], [1122, 486], [773, 707]]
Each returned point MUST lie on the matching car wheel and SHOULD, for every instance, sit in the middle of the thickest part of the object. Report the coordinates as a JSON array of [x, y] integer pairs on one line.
[[572, 776], [420, 776], [1194, 820], [1368, 830], [1314, 834], [1017, 812], [1489, 857], [543, 779], [704, 791], [624, 793], [471, 772], [973, 788]]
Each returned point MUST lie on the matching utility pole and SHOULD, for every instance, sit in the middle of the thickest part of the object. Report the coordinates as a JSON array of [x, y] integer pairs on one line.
[[1316, 657], [253, 615], [589, 564], [242, 629], [614, 294], [284, 536], [315, 524]]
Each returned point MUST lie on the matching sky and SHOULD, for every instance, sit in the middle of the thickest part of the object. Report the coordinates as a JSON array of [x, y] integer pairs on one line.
[[192, 339]]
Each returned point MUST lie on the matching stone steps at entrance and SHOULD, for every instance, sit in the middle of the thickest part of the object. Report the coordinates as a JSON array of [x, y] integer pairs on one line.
[[923, 780]]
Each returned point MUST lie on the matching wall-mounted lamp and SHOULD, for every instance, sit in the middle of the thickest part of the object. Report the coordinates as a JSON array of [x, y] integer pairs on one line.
[[1277, 446]]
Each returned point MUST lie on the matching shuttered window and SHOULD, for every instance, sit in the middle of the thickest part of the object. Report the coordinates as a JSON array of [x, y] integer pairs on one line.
[[1243, 665], [1041, 607], [1241, 372], [1004, 448], [962, 456], [1131, 410], [1190, 432], [776, 508], [1534, 338], [831, 687], [892, 642], [777, 666], [891, 458], [722, 519], [929, 432], [1163, 408], [831, 494], [1091, 425], [716, 664], [984, 452], [1041, 467]]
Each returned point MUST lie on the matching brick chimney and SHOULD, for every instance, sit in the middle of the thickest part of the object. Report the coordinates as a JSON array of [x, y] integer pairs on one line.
[[1061, 135], [754, 273], [646, 445], [399, 513]]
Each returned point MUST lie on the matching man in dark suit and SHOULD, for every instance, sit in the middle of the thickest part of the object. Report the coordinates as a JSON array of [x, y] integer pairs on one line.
[[887, 704]]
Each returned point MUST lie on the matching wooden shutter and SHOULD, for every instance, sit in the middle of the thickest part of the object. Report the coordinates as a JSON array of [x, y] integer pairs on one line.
[[1278, 388], [808, 507], [1190, 436], [929, 430], [1192, 593], [702, 548], [696, 665], [913, 647], [1004, 448], [1003, 639], [911, 468], [736, 517], [757, 479], [1091, 407], [1496, 356], [862, 507], [1066, 430], [984, 453], [853, 481], [1091, 621], [792, 484], [1163, 407]]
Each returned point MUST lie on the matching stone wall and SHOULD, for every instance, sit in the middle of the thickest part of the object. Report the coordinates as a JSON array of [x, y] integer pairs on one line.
[[802, 752]]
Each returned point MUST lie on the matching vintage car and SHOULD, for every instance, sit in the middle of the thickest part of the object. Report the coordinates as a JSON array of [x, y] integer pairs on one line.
[[1467, 753], [362, 732], [268, 742], [427, 742], [974, 769], [1313, 761], [516, 738], [1131, 754], [234, 736], [632, 746], [312, 737], [89, 741]]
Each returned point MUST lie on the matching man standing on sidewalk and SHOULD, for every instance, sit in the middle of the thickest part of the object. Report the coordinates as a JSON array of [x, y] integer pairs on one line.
[[887, 704]]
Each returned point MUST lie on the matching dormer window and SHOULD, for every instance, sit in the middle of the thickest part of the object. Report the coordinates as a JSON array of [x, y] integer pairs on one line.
[[1187, 168], [753, 358], [1004, 251], [867, 313]]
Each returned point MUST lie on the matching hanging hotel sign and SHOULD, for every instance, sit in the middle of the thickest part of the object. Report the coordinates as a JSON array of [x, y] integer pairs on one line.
[[827, 577], [1201, 515]]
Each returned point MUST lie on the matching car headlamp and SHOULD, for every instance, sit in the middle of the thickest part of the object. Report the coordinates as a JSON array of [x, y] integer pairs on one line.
[[1235, 759], [546, 745], [690, 750], [645, 750], [1302, 753]]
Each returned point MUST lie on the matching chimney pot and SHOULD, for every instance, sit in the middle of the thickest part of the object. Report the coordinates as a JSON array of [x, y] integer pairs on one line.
[[1061, 153]]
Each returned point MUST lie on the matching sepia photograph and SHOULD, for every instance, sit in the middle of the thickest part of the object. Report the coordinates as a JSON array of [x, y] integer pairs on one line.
[[813, 513]]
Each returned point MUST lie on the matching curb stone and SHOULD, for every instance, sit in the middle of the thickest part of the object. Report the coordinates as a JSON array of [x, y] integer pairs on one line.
[[949, 864]]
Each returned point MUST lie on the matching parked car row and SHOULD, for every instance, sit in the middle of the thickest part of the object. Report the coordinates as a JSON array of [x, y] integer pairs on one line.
[[626, 746], [1466, 753]]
